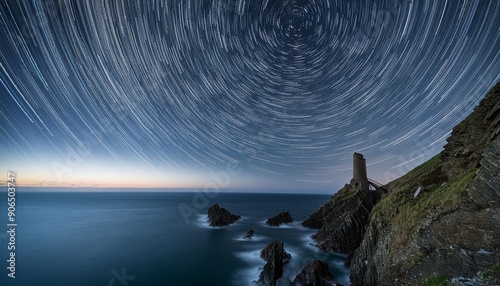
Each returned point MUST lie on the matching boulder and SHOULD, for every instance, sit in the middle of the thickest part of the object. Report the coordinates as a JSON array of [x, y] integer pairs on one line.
[[218, 216], [281, 218]]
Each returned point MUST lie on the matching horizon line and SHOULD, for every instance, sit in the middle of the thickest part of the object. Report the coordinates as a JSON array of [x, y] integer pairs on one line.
[[184, 190]]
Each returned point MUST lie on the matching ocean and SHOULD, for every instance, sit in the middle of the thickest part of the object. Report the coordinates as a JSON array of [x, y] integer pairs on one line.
[[143, 238]]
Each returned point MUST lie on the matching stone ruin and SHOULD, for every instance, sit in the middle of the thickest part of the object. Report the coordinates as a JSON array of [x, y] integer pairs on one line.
[[374, 190]]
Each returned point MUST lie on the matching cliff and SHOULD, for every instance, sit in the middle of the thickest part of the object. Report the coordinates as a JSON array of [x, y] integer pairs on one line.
[[341, 221], [470, 138], [451, 230]]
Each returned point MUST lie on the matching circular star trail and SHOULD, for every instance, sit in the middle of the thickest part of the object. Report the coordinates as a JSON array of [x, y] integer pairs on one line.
[[287, 90]]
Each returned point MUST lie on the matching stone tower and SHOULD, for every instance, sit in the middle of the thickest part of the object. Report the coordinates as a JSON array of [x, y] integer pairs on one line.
[[359, 176]]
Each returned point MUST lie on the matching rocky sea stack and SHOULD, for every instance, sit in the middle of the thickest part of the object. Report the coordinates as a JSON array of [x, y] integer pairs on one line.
[[218, 216], [281, 218], [249, 234], [275, 256], [315, 273], [449, 232]]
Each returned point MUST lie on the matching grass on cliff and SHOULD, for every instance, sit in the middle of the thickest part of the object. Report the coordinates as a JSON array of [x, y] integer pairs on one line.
[[345, 194], [406, 214], [492, 275], [426, 174], [439, 280]]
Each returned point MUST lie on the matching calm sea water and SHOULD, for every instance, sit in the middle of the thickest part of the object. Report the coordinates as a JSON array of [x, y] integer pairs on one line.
[[112, 238]]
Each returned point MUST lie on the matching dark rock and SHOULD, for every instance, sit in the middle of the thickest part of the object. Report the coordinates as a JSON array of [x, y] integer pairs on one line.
[[249, 234], [347, 262], [373, 249], [218, 216], [275, 247], [315, 273], [341, 220], [276, 256], [315, 220], [486, 184], [281, 218]]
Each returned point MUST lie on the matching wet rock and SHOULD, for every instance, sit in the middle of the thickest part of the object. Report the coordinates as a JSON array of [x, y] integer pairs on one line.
[[315, 273], [218, 216], [249, 234], [276, 256], [281, 218]]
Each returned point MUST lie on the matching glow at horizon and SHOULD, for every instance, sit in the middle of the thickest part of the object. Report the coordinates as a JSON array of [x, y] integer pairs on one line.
[[168, 93]]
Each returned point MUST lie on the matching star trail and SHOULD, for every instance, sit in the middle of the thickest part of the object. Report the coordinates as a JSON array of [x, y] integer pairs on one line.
[[165, 93]]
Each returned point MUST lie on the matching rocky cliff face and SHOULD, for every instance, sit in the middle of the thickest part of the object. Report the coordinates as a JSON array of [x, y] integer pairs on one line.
[[341, 221], [487, 180], [316, 219], [452, 229], [468, 139], [218, 216]]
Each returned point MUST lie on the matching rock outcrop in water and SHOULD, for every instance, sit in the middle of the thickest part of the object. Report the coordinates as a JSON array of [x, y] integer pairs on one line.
[[249, 234], [276, 256], [218, 216], [281, 218], [453, 229], [315, 273]]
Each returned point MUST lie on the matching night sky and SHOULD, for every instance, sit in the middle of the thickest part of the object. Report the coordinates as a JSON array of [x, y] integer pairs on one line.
[[252, 95]]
